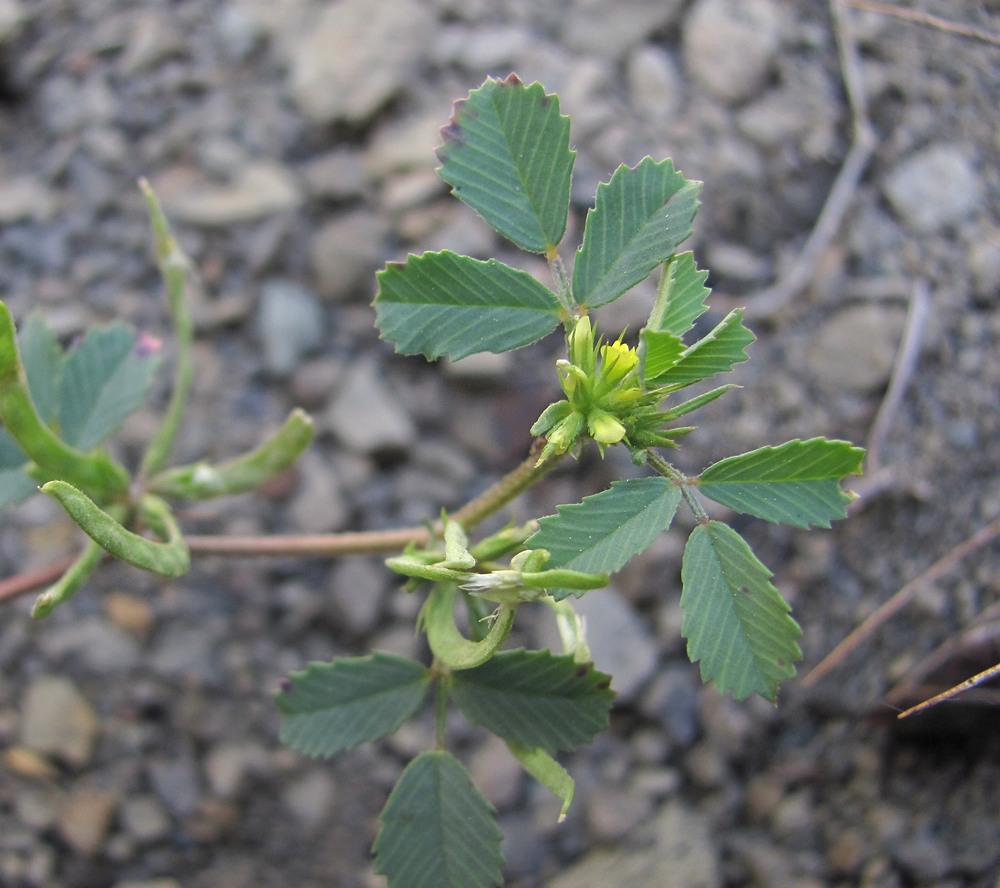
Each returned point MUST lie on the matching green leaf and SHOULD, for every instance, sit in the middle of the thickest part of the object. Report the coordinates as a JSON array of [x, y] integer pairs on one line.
[[697, 402], [169, 558], [330, 707], [680, 299], [445, 304], [547, 771], [607, 529], [638, 220], [106, 377], [736, 622], [506, 154], [43, 365], [437, 829], [536, 699], [796, 483], [714, 353], [203, 480]]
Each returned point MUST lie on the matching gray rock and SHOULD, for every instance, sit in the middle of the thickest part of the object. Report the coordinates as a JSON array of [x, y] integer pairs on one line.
[[345, 252], [176, 783], [56, 719], [144, 818], [339, 175], [730, 45], [856, 348], [365, 415], [608, 30], [672, 699], [227, 765], [95, 643], [654, 82], [310, 797], [620, 642], [355, 56], [682, 854], [149, 883], [358, 588], [255, 190], [934, 188], [612, 812], [23, 198], [984, 269], [318, 506], [290, 325], [496, 773], [11, 17]]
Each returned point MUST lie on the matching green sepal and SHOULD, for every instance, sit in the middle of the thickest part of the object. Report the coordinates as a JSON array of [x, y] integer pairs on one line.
[[169, 558], [244, 473]]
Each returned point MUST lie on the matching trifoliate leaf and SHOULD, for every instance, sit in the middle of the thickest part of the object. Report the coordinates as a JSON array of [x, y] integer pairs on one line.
[[659, 352], [737, 624], [445, 304], [437, 829], [535, 698], [106, 377], [334, 706], [602, 533], [716, 352], [797, 483], [506, 154], [680, 299], [638, 220]]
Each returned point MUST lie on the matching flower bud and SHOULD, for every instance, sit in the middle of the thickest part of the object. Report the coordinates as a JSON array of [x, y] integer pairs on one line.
[[604, 428]]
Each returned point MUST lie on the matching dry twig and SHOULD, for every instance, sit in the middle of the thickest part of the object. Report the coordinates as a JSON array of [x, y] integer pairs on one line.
[[925, 18]]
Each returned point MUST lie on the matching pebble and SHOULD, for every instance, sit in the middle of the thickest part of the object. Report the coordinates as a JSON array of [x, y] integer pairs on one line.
[[682, 855], [612, 812], [144, 818], [672, 700], [11, 17], [355, 56], [729, 46], [345, 252], [94, 643], [290, 325], [57, 720], [620, 642], [176, 783], [84, 818], [310, 797], [318, 505], [607, 32], [358, 589], [934, 188], [656, 88], [338, 175], [496, 773], [228, 765], [149, 883], [257, 189], [856, 348], [24, 198], [984, 269], [365, 415]]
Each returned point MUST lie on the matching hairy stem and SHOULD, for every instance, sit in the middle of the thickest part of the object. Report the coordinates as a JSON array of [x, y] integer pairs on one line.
[[662, 467]]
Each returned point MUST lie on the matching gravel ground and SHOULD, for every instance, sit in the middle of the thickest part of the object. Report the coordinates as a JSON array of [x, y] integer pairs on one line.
[[292, 143]]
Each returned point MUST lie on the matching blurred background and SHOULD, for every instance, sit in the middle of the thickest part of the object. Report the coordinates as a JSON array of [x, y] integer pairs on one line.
[[292, 144]]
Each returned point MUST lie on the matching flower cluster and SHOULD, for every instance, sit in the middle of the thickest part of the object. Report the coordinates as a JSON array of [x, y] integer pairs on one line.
[[605, 398]]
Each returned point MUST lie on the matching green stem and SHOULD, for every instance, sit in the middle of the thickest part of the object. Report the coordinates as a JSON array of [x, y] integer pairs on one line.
[[175, 270], [662, 467], [564, 291]]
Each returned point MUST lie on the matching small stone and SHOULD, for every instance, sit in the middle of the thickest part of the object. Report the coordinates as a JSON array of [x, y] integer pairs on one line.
[[227, 766], [655, 84], [176, 783], [94, 642], [403, 146], [152, 37], [290, 324], [496, 773], [339, 175], [730, 46], [345, 253], [856, 348], [355, 56], [25, 198], [620, 642], [607, 31], [366, 417], [144, 818], [310, 797], [256, 190], [359, 586], [672, 700], [11, 16], [318, 506], [84, 818], [149, 883], [984, 269], [57, 720], [934, 188], [129, 612], [612, 813]]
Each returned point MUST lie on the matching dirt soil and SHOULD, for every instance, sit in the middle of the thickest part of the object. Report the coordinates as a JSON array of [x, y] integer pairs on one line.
[[292, 143]]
